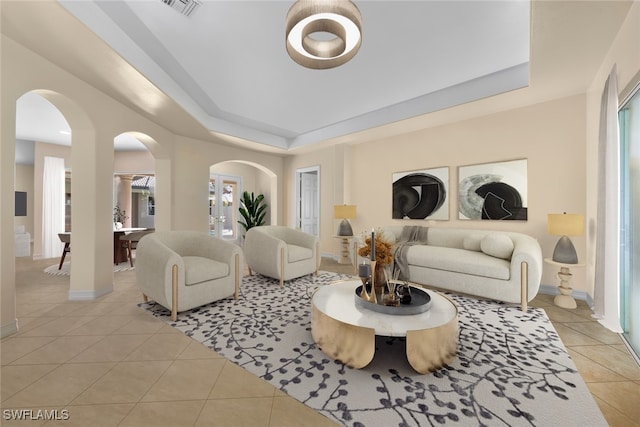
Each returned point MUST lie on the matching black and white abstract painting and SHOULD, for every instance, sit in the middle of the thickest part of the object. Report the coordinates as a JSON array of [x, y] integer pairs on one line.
[[493, 191], [421, 194]]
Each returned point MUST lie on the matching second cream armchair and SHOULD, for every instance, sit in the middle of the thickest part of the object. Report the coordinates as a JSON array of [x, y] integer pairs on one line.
[[281, 252]]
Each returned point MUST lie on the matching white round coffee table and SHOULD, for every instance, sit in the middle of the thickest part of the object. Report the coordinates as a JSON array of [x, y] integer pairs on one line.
[[346, 331]]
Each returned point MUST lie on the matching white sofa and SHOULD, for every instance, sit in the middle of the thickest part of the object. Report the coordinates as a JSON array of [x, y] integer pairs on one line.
[[181, 270], [500, 265], [281, 252]]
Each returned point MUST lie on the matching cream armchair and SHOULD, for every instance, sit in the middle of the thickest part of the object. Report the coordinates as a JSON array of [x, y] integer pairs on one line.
[[281, 252], [181, 270]]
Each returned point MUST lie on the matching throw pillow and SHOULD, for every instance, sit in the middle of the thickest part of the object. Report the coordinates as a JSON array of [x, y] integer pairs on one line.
[[497, 245], [472, 242]]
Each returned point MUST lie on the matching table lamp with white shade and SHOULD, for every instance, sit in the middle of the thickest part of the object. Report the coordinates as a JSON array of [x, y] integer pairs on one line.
[[565, 225], [344, 212]]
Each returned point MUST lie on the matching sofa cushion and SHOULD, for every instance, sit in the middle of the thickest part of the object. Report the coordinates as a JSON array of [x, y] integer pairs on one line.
[[497, 245], [472, 242], [459, 261], [298, 253], [200, 269]]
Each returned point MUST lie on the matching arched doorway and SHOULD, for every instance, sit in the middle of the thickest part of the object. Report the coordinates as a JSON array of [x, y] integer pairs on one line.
[[233, 177], [91, 272], [134, 181], [43, 137]]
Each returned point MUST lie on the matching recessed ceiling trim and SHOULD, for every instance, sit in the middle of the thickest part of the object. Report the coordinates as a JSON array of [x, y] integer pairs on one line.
[[495, 83], [195, 93]]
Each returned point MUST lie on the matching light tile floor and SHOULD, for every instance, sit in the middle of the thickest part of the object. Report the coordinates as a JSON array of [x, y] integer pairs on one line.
[[109, 363]]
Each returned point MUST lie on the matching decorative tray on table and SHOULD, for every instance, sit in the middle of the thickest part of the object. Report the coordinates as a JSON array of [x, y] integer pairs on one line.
[[420, 302]]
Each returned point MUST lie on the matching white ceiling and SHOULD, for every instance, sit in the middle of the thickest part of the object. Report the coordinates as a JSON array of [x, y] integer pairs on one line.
[[223, 74], [226, 64], [39, 120]]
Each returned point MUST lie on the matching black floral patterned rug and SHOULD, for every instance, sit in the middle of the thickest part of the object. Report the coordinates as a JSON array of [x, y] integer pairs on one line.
[[511, 368]]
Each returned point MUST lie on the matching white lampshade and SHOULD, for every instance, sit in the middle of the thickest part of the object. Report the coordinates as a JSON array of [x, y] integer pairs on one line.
[[565, 224], [344, 211]]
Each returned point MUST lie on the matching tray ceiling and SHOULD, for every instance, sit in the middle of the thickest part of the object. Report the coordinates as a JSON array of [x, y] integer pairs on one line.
[[227, 66]]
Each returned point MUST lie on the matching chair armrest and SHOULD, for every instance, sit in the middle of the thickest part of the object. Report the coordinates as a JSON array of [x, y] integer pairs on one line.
[[262, 252], [527, 249], [154, 261]]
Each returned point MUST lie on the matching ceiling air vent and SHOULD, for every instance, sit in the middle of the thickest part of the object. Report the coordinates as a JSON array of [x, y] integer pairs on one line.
[[185, 7]]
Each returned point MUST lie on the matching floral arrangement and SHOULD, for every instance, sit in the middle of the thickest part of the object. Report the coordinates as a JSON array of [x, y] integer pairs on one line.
[[384, 249], [119, 215]]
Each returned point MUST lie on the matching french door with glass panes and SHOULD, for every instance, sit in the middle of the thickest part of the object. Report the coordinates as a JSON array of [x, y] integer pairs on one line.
[[224, 206]]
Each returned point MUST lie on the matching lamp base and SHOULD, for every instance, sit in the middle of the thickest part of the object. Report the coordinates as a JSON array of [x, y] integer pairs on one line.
[[565, 252], [345, 229]]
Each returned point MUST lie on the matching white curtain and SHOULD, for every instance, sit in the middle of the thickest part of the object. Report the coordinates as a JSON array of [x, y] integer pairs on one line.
[[52, 206], [607, 271]]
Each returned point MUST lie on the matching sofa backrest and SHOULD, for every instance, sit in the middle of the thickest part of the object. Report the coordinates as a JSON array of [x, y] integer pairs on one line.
[[186, 242], [451, 237], [278, 231]]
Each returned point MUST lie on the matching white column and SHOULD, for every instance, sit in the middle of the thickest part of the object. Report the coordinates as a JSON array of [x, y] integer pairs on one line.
[[92, 215], [163, 195]]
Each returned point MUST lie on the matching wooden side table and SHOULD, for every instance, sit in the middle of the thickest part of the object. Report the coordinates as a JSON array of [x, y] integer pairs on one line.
[[345, 257], [564, 300]]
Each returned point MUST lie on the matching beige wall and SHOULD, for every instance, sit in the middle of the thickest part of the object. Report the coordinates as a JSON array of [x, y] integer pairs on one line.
[[133, 162], [550, 135], [330, 161], [95, 120], [193, 160], [24, 182]]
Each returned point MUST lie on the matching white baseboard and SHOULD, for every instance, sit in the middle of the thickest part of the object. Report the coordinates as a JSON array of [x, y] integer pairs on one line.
[[89, 295], [330, 255], [553, 290], [9, 328]]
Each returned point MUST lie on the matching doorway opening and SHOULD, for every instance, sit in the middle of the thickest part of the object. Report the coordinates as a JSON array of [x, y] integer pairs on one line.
[[224, 205], [308, 200]]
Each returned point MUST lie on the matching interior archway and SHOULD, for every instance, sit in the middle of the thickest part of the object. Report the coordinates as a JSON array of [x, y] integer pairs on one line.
[[35, 142], [255, 178], [91, 273]]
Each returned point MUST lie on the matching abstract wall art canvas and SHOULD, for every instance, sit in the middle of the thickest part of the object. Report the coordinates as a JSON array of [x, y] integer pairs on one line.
[[493, 191], [421, 194]]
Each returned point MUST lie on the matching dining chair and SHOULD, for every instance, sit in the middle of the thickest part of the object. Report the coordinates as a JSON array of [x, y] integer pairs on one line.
[[66, 239], [130, 241]]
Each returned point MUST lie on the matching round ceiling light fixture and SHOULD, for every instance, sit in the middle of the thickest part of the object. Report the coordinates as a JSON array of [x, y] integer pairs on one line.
[[323, 34]]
